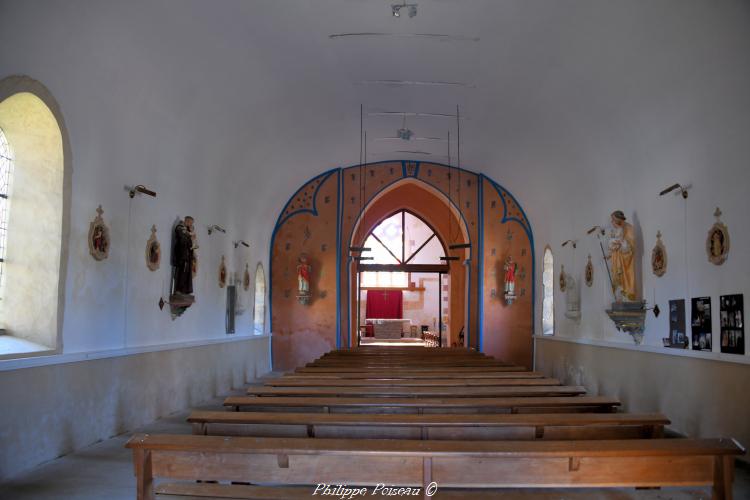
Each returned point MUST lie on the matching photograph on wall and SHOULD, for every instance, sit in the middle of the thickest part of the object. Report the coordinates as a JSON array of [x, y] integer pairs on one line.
[[732, 321], [677, 335], [700, 321]]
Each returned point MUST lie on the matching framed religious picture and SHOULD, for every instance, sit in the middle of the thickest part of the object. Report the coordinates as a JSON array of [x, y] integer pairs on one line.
[[153, 251], [717, 242], [700, 323], [246, 278], [222, 273], [732, 323], [659, 257], [562, 279], [589, 272], [677, 336], [98, 236]]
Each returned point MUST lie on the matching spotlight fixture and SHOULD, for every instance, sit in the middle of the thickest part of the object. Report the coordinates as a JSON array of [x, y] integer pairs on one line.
[[683, 190], [449, 258], [457, 246], [591, 231], [241, 242], [216, 227], [574, 242], [140, 188], [404, 134], [363, 258], [411, 9], [359, 249]]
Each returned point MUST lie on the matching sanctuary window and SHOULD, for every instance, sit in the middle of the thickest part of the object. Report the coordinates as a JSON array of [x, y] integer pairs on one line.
[[6, 172], [548, 305], [259, 305]]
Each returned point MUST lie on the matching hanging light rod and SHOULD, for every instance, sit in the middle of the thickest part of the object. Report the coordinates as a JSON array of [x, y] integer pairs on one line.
[[457, 246], [399, 83], [414, 113], [412, 138], [359, 249], [433, 36]]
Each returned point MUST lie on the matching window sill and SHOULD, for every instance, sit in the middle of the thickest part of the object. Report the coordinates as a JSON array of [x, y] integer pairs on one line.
[[17, 347]]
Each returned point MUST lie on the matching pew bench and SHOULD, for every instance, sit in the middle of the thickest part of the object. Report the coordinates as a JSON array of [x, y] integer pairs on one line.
[[450, 464], [554, 426], [429, 382], [530, 404], [417, 392]]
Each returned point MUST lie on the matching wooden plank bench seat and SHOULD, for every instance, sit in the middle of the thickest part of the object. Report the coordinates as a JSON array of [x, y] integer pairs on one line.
[[446, 375], [532, 404], [416, 392], [460, 464], [455, 382], [409, 369], [436, 426]]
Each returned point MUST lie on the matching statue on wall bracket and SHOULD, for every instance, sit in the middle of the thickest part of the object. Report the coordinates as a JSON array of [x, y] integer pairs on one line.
[[510, 268], [628, 312], [659, 257], [717, 242], [98, 236], [183, 261], [153, 251], [304, 269]]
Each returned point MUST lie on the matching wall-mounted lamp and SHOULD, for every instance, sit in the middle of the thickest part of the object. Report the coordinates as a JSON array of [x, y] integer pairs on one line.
[[241, 242], [600, 228], [573, 242], [683, 190], [140, 188], [216, 227]]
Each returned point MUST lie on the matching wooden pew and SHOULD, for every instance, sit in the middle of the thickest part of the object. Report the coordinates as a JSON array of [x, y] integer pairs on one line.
[[530, 404], [409, 370], [553, 426], [416, 392], [457, 464], [455, 382]]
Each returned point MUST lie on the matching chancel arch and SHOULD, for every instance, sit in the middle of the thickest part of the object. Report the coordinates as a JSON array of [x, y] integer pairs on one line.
[[478, 222]]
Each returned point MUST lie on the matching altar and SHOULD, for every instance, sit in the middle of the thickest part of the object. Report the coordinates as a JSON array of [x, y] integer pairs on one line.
[[389, 328]]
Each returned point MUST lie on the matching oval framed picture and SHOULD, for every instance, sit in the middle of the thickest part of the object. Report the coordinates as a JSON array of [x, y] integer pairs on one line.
[[659, 257], [98, 237], [717, 242], [153, 251]]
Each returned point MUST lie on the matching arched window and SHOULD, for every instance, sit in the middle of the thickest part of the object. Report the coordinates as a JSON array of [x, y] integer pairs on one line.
[[6, 171], [548, 305], [259, 306], [401, 240]]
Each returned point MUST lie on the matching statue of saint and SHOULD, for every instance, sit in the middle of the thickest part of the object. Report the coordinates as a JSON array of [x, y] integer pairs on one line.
[[621, 243], [510, 269], [303, 279], [183, 254]]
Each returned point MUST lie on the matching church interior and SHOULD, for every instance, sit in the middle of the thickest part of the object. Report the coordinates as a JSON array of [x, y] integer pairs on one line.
[[348, 248]]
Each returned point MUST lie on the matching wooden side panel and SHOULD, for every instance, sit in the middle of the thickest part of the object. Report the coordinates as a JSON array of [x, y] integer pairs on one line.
[[556, 472]]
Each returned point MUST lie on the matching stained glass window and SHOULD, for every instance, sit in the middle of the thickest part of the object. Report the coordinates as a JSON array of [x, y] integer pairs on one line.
[[6, 171], [548, 306]]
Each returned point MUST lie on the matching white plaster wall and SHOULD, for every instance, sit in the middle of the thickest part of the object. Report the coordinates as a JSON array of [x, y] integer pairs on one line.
[[32, 260], [49, 411], [702, 398]]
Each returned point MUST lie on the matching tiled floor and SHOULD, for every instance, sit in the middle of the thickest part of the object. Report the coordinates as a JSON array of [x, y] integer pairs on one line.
[[104, 471]]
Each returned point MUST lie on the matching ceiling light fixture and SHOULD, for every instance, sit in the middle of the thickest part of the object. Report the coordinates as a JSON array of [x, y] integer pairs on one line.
[[411, 9]]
